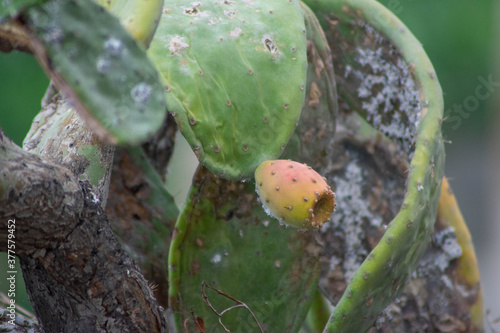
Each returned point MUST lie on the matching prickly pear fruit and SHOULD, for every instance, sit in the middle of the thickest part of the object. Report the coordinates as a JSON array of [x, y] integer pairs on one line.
[[294, 193]]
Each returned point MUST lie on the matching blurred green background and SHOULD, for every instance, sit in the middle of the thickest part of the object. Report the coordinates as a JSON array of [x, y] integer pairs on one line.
[[462, 40]]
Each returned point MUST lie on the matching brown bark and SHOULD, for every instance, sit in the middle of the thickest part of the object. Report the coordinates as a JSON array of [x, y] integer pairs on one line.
[[44, 198], [14, 37], [77, 275]]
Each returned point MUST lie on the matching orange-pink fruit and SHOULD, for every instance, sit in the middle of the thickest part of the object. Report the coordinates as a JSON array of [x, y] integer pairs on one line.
[[294, 193]]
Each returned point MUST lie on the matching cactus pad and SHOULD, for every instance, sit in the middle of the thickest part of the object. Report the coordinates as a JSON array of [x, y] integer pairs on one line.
[[224, 237], [365, 37], [234, 74], [98, 65]]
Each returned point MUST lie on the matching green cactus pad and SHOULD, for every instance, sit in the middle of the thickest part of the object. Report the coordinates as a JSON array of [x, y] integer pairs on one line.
[[364, 36], [225, 238], [98, 65], [235, 75]]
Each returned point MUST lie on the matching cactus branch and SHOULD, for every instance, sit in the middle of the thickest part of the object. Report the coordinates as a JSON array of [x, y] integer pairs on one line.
[[72, 264]]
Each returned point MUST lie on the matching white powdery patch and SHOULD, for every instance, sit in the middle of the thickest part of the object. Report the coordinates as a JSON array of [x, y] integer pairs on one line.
[[333, 263], [444, 249], [235, 33], [268, 211], [216, 258], [352, 210], [447, 240], [395, 89], [95, 198], [230, 14], [177, 45]]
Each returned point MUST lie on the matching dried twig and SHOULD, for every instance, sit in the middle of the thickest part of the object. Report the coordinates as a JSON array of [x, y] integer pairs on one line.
[[239, 304]]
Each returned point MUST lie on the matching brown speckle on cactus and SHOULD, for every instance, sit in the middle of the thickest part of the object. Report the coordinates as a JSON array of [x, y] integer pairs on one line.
[[291, 195]]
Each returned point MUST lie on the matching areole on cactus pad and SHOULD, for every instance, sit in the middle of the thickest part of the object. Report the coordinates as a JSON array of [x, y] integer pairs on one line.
[[294, 193], [235, 75]]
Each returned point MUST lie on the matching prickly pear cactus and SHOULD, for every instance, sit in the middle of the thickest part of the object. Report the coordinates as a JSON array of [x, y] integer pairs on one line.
[[235, 77], [234, 74]]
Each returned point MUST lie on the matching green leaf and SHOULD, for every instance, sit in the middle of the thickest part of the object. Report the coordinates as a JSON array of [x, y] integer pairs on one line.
[[98, 65]]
